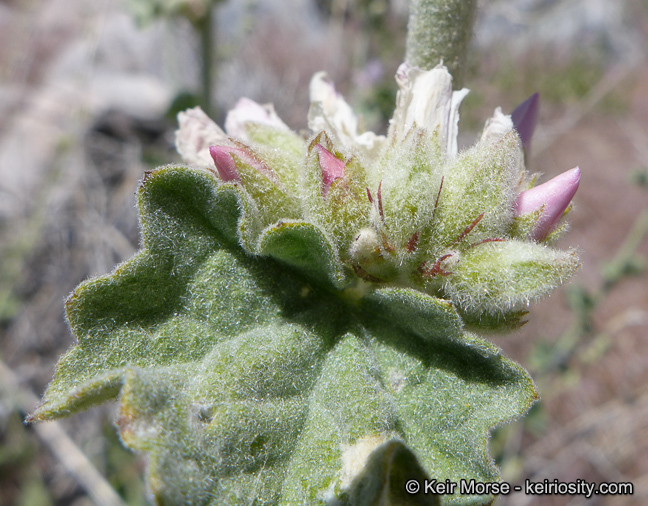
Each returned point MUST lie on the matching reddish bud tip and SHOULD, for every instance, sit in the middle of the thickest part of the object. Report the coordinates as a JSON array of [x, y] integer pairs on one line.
[[225, 165], [552, 197], [332, 168]]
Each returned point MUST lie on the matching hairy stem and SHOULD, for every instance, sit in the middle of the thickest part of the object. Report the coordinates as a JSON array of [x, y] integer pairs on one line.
[[440, 30]]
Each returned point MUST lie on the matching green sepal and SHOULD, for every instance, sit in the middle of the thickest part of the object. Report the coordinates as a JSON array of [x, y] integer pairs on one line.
[[561, 228], [282, 151], [344, 210], [272, 202], [504, 276], [523, 225], [410, 173], [480, 180]]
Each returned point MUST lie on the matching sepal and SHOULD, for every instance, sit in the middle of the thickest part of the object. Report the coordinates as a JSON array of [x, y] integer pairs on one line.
[[340, 210], [405, 195], [503, 277], [480, 182]]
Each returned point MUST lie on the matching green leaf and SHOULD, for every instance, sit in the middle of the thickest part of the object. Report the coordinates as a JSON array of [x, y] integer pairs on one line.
[[413, 311], [305, 247], [251, 376]]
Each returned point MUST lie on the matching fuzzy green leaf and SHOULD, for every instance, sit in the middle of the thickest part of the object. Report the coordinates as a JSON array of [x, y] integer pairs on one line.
[[305, 247], [413, 311], [247, 376]]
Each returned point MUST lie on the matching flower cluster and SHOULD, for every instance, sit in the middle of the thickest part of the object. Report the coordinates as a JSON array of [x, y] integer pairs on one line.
[[406, 209]]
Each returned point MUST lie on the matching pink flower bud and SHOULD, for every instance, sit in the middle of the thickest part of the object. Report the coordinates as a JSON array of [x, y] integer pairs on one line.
[[552, 198], [332, 168], [226, 166], [525, 117]]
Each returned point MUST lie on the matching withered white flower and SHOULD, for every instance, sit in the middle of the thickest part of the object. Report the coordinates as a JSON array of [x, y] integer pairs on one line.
[[426, 99], [196, 134], [329, 112], [248, 111]]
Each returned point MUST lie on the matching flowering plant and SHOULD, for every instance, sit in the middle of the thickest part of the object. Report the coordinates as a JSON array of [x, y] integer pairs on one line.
[[406, 210], [298, 325]]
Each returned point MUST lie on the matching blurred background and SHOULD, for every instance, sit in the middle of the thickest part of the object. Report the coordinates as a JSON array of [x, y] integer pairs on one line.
[[88, 96]]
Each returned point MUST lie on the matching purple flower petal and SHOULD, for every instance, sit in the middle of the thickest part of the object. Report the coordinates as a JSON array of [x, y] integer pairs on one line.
[[525, 117], [552, 198]]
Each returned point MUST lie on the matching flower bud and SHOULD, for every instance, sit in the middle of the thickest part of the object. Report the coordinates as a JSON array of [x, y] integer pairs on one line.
[[524, 119], [225, 164], [551, 198]]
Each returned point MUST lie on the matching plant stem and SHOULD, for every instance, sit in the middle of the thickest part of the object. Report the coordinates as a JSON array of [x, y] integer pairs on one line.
[[205, 28], [440, 30]]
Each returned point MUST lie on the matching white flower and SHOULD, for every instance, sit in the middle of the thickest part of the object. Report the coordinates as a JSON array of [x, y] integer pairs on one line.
[[425, 99], [497, 126], [331, 113], [248, 111], [196, 134]]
